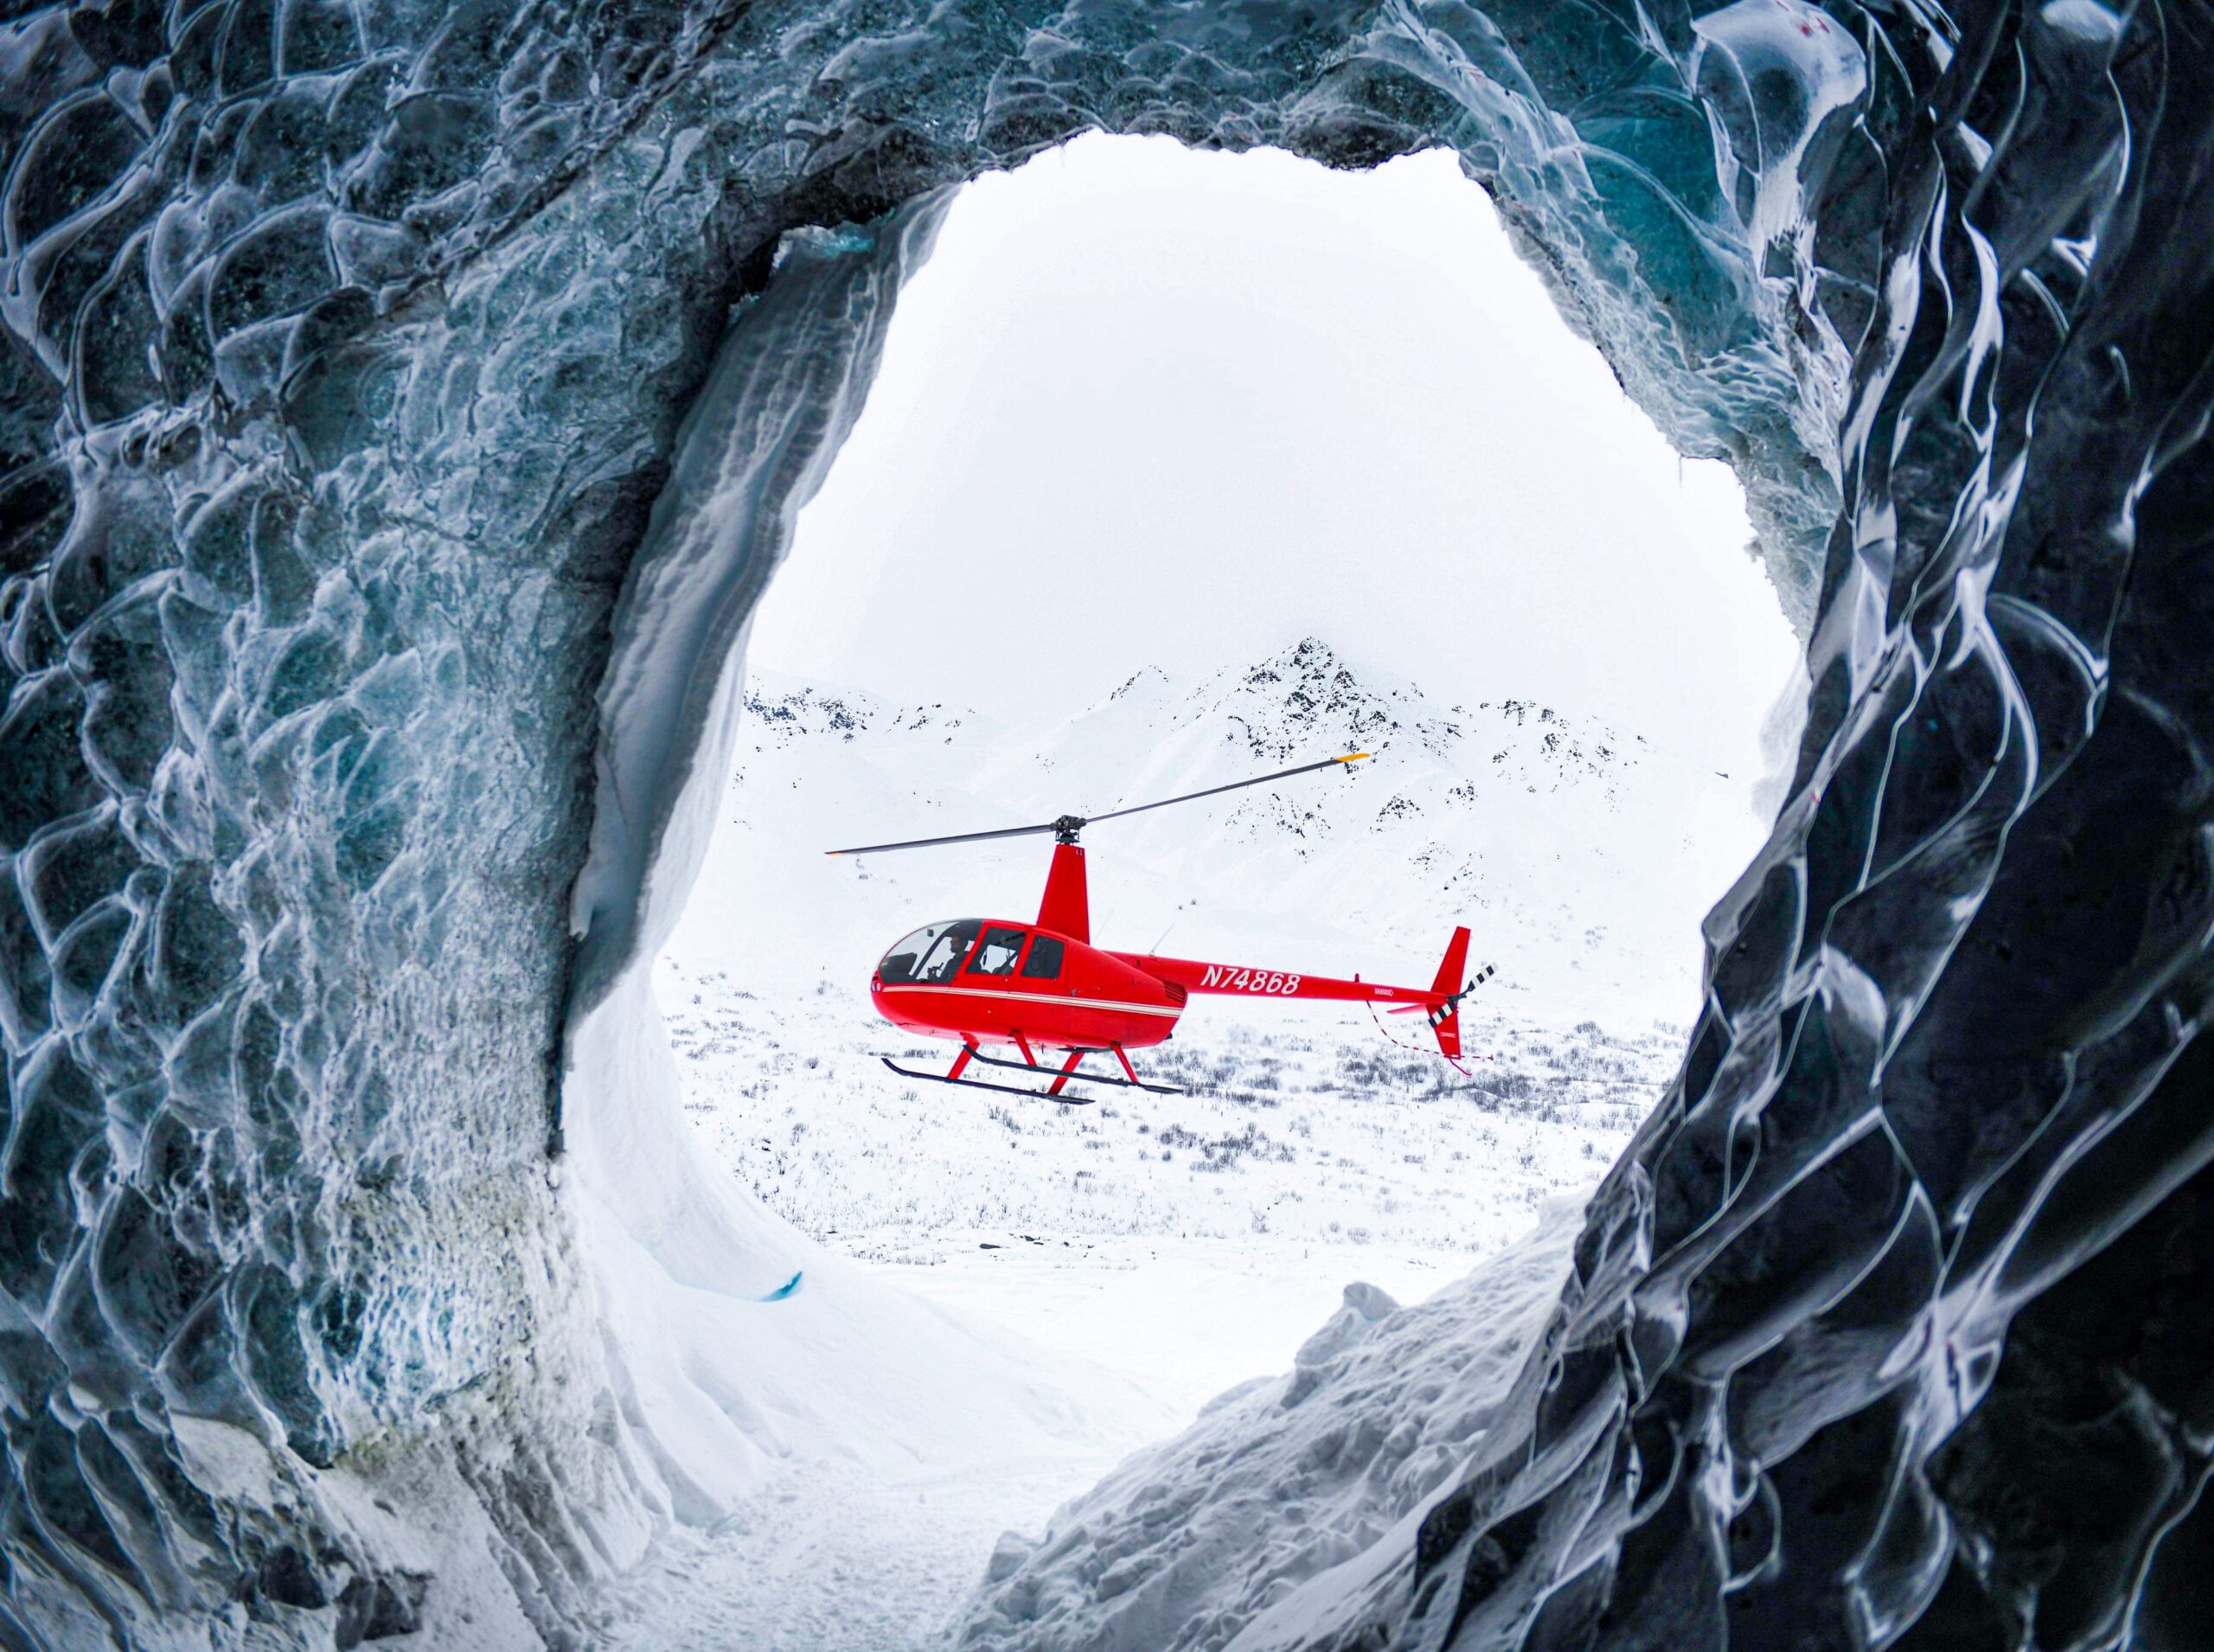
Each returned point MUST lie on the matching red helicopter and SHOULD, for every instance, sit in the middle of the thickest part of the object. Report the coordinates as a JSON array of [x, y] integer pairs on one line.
[[1043, 986]]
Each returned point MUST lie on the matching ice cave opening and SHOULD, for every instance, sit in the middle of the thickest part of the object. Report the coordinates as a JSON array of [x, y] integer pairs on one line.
[[1177, 465]]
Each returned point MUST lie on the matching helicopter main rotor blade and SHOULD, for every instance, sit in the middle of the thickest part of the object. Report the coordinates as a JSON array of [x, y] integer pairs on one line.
[[1348, 760], [957, 837], [1068, 826]]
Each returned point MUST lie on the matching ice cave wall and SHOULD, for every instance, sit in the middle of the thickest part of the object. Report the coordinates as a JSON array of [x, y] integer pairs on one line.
[[1946, 1086], [365, 636]]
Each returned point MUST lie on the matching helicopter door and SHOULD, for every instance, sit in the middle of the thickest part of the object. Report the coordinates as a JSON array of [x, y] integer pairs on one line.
[[998, 951]]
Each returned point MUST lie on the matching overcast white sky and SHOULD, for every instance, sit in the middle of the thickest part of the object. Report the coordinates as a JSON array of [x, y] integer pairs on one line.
[[1146, 406]]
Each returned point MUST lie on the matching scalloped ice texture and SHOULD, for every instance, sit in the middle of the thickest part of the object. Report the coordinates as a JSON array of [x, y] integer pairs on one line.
[[369, 614]]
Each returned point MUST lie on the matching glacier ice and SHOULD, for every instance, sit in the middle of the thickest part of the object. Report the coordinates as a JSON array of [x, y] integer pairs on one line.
[[401, 406]]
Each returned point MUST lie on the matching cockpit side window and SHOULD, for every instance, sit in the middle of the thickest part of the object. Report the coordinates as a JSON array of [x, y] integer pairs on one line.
[[1044, 963], [1000, 947], [930, 955]]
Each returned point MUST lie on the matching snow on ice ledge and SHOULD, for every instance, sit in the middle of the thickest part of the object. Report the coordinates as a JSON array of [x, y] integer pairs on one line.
[[345, 351], [1279, 1508]]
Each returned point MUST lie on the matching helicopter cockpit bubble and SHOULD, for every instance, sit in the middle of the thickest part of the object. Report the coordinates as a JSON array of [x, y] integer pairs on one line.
[[928, 955]]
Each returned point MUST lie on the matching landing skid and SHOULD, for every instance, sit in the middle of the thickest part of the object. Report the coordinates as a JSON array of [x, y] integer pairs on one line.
[[980, 1084], [1059, 1075], [1131, 1083]]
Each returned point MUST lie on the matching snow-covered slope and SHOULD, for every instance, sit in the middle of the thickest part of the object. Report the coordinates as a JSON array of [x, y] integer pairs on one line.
[[1583, 857]]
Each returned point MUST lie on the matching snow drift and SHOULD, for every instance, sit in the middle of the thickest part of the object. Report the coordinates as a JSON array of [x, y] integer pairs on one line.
[[1246, 1528]]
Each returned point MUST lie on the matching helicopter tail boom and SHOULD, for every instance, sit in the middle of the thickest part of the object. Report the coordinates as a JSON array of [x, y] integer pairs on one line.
[[1440, 1001], [1235, 981]]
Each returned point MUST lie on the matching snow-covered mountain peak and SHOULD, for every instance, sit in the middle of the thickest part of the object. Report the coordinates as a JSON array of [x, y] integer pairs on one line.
[[1306, 698], [782, 710], [1307, 701], [1145, 681], [1583, 858]]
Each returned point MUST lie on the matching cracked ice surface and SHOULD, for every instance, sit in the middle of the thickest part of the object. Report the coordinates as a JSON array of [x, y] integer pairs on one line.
[[348, 350]]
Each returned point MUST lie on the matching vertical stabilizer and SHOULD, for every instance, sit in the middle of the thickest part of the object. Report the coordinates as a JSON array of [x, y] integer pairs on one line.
[[1455, 960], [1067, 904], [1445, 1016]]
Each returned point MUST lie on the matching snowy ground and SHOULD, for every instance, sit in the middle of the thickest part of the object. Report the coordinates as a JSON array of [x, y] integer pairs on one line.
[[853, 1563], [1301, 1138], [1174, 1247]]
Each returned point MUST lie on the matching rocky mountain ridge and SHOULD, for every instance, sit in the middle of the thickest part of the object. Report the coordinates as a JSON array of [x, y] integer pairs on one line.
[[1583, 855]]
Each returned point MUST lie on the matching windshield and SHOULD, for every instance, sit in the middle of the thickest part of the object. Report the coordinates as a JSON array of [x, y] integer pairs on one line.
[[930, 955]]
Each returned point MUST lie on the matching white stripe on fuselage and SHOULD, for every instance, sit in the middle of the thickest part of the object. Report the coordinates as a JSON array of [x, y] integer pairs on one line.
[[1050, 1002]]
